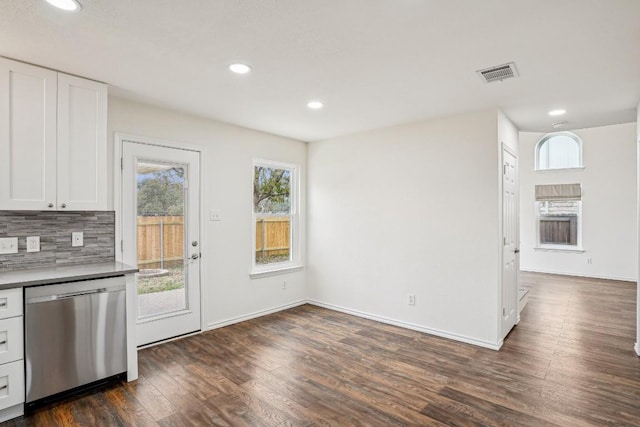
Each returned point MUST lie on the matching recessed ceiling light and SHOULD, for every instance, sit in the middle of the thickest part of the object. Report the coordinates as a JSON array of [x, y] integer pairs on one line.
[[240, 68], [68, 5], [315, 105], [557, 112]]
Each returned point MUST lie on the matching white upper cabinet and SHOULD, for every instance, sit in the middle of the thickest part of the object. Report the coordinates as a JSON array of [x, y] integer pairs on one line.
[[82, 144], [53, 140], [27, 136]]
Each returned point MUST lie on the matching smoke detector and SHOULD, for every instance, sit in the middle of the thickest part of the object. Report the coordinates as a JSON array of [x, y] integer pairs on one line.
[[498, 73]]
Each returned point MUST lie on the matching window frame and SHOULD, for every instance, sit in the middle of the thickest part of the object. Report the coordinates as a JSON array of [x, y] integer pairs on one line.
[[549, 136], [294, 263], [558, 247]]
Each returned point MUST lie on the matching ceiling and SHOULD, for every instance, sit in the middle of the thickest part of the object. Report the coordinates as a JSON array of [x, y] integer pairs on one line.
[[374, 63]]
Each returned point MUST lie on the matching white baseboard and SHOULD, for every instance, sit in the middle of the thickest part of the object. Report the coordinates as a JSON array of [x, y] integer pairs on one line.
[[637, 348], [231, 321], [589, 276], [407, 325]]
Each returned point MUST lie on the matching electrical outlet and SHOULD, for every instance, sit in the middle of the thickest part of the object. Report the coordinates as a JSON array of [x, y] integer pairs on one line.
[[411, 299], [77, 238], [9, 245], [589, 260], [33, 244], [284, 284]]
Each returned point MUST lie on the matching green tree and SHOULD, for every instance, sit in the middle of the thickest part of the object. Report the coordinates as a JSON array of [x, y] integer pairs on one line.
[[271, 190], [161, 193]]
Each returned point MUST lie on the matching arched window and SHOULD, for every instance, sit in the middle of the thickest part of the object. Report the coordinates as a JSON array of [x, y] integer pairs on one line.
[[560, 150]]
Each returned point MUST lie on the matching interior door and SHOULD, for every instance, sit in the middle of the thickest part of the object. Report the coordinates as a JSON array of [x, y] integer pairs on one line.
[[509, 240], [160, 226]]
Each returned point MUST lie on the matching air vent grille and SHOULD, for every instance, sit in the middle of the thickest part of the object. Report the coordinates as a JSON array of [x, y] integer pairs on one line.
[[498, 73]]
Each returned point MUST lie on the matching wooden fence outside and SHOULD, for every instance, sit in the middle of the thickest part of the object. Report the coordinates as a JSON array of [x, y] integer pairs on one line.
[[272, 238], [161, 240], [560, 230]]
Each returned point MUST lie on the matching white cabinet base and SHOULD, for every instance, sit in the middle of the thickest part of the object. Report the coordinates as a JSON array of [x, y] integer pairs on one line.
[[12, 412]]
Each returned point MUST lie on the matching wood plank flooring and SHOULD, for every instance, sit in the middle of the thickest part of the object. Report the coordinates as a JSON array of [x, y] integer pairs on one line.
[[568, 363]]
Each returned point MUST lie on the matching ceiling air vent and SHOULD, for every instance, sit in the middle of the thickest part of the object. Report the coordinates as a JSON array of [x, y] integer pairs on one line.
[[558, 125], [498, 73]]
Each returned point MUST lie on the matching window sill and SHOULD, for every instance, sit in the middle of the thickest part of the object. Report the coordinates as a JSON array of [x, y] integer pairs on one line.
[[276, 271], [576, 169], [556, 249]]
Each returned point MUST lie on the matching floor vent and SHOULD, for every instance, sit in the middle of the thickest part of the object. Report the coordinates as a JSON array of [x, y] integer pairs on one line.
[[498, 73]]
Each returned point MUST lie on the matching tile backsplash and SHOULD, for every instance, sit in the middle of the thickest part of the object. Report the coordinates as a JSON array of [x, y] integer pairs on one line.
[[54, 229]]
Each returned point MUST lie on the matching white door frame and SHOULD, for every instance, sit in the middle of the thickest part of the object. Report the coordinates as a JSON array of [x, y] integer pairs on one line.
[[505, 148], [119, 139]]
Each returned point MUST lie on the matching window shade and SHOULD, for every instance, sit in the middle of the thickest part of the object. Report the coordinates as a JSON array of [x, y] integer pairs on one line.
[[559, 192]]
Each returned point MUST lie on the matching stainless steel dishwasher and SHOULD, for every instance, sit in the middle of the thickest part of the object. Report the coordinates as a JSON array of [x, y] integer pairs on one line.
[[75, 335]]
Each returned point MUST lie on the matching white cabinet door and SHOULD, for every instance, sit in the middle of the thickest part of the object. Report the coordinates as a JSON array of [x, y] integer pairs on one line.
[[10, 303], [11, 384], [11, 339], [82, 144], [27, 137]]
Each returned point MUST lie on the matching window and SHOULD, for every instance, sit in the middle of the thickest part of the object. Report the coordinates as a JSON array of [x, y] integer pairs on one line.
[[558, 213], [562, 150], [275, 216]]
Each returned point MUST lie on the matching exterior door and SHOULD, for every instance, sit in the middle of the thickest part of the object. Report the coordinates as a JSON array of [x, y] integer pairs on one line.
[[509, 240], [160, 226]]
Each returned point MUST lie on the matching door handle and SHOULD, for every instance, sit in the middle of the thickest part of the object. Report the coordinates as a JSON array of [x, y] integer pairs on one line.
[[516, 251]]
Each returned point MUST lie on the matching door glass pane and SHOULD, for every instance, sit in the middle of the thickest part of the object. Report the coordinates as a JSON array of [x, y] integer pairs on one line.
[[161, 239]]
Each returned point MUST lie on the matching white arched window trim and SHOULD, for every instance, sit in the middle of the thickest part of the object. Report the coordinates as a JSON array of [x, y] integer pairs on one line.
[[546, 138]]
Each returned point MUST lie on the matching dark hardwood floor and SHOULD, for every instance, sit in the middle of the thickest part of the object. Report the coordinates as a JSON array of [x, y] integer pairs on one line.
[[569, 362]]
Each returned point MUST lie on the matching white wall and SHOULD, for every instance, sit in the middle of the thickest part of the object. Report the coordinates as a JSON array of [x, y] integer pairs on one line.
[[637, 345], [412, 209], [228, 292], [609, 202]]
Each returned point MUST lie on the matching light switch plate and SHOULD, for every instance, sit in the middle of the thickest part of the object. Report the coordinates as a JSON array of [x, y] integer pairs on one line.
[[215, 215], [77, 238], [9, 245], [33, 244]]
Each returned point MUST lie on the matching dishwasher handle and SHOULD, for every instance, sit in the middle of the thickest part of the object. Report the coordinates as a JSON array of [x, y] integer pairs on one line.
[[72, 295]]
